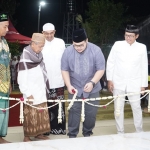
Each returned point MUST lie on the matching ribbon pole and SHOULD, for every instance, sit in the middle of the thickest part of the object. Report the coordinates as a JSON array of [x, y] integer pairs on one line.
[[59, 113], [21, 110], [83, 111], [73, 99]]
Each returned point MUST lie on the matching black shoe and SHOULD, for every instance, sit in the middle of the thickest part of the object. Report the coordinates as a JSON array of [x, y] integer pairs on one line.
[[72, 136], [86, 135], [47, 134]]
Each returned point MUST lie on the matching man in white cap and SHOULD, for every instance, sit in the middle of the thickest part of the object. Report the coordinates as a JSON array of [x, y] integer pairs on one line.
[[52, 53]]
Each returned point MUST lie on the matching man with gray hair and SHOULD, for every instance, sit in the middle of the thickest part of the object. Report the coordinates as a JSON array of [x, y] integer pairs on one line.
[[52, 53]]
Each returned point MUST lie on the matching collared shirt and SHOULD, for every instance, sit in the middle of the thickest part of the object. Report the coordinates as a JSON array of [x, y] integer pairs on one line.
[[83, 66]]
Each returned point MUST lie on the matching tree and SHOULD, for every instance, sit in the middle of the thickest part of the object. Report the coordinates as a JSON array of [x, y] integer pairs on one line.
[[104, 19], [14, 49]]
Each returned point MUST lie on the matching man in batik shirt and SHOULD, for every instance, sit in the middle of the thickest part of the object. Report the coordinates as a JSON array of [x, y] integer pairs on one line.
[[4, 77]]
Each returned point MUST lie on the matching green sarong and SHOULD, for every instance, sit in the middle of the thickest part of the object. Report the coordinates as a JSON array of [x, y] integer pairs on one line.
[[4, 116]]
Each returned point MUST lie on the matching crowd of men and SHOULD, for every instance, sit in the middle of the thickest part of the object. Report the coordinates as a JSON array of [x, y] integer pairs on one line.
[[46, 67]]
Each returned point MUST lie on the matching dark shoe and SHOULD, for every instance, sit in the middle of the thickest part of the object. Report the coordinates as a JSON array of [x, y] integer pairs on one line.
[[87, 134], [72, 136], [47, 134]]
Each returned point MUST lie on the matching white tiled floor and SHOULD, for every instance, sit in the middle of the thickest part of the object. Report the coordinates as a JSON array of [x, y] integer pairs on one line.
[[103, 127], [104, 138]]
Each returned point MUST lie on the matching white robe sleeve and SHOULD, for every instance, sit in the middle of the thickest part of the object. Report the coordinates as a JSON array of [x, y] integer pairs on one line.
[[110, 64], [23, 83], [144, 67]]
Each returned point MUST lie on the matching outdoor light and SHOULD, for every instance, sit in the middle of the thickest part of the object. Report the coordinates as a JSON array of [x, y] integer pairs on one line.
[[42, 3]]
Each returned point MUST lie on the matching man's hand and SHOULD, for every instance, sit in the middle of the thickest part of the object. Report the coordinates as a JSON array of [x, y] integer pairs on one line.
[[142, 89], [110, 86], [88, 87], [71, 89]]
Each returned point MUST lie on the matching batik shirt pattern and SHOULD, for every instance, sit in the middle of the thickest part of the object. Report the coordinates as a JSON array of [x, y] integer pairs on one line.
[[4, 67]]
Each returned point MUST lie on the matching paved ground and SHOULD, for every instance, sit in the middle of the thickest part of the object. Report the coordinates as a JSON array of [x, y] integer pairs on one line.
[[103, 127]]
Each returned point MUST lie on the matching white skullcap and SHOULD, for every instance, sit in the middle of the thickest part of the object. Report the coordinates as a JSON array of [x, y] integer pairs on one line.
[[48, 26]]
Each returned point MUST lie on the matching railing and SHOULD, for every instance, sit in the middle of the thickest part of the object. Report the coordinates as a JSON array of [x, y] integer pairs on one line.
[[22, 101]]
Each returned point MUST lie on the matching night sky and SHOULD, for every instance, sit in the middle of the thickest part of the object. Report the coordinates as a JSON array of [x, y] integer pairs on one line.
[[27, 13]]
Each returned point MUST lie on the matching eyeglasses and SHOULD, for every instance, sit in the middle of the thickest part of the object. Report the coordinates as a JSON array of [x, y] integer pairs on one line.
[[129, 36]]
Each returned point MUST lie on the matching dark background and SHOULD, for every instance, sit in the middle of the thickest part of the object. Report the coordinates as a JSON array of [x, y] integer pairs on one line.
[[26, 15]]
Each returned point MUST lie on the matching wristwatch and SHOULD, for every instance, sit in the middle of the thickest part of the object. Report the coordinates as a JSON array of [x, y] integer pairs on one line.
[[93, 83]]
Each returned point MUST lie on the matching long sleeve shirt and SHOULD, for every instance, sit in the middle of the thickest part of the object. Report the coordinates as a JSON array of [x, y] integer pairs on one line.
[[52, 53], [31, 82], [127, 66]]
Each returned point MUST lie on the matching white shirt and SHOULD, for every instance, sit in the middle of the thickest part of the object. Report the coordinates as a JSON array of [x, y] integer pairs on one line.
[[31, 82], [52, 53], [127, 66]]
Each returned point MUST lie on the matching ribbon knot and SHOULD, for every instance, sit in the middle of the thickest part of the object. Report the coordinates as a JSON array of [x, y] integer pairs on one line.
[[3, 110], [22, 99]]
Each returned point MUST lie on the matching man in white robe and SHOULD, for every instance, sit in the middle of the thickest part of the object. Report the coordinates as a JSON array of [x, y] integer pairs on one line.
[[52, 53], [33, 84], [127, 72]]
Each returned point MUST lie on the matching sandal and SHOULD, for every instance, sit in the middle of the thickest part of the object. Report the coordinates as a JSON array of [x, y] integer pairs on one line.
[[27, 139], [42, 137]]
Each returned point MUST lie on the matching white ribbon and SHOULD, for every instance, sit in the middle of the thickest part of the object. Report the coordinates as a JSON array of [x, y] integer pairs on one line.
[[117, 113], [73, 99], [83, 111], [59, 113], [21, 112]]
